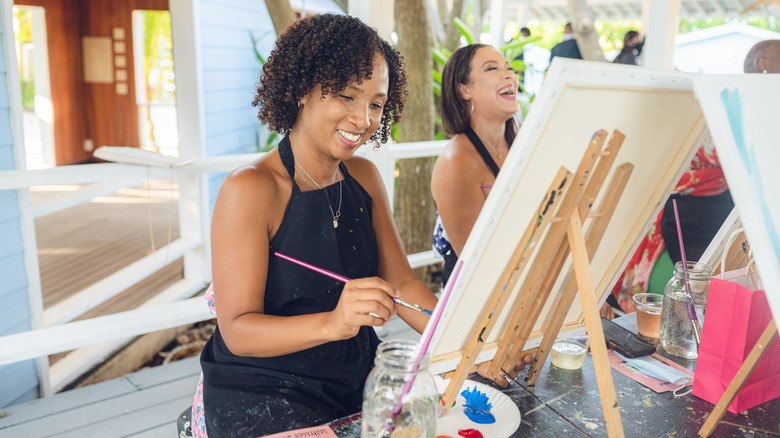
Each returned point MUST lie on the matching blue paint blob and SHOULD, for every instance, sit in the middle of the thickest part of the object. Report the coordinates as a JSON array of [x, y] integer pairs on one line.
[[477, 406]]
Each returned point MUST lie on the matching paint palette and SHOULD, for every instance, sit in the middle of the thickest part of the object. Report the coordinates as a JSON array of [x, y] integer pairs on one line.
[[504, 410]]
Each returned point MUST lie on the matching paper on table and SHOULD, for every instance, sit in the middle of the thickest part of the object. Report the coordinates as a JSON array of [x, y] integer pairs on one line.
[[653, 383], [318, 432]]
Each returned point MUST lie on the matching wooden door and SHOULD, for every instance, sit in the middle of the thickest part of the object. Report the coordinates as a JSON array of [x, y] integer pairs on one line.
[[90, 114]]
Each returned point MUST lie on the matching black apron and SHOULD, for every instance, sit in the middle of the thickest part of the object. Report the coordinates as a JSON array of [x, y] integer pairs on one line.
[[249, 396], [450, 258]]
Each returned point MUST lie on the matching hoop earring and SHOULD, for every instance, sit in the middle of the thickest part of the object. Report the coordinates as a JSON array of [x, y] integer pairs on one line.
[[300, 105], [472, 106]]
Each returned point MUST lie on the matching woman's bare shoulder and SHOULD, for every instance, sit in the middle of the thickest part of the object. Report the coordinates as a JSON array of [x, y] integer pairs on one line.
[[366, 173], [256, 183], [458, 156]]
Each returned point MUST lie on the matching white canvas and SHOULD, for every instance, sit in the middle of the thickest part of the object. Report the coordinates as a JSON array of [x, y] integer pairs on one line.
[[663, 124], [743, 115]]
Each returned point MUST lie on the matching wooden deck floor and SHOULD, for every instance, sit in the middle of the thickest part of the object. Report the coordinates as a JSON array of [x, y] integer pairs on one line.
[[84, 244], [143, 404]]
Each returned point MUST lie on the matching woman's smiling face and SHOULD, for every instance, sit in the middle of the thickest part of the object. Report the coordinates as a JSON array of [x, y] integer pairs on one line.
[[492, 86], [339, 123]]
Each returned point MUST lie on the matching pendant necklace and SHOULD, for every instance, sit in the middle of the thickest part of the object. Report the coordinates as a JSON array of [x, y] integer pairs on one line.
[[335, 215]]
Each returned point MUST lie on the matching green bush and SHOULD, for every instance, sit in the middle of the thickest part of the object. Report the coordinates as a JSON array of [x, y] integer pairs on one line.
[[28, 94]]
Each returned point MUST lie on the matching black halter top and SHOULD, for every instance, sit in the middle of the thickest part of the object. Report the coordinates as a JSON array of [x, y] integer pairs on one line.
[[483, 152], [319, 384]]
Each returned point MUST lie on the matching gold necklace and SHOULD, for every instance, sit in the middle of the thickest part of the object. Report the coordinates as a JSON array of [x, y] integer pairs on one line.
[[335, 215]]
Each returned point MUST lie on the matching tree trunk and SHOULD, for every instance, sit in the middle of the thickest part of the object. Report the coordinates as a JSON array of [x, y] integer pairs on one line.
[[452, 36], [281, 14], [414, 206], [584, 32]]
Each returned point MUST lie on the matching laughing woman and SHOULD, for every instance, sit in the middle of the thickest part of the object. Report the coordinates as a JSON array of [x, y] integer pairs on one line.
[[478, 107], [292, 347]]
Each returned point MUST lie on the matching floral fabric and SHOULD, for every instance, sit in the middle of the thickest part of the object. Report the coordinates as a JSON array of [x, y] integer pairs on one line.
[[198, 413], [704, 178]]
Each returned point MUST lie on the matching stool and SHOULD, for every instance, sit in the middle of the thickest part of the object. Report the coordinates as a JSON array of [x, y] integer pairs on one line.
[[184, 422]]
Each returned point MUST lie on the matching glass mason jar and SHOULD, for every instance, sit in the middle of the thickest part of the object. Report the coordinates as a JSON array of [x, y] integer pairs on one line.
[[677, 335], [394, 366]]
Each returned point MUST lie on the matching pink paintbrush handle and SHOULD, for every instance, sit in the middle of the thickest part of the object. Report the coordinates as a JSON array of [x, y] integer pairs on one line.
[[427, 340], [325, 272]]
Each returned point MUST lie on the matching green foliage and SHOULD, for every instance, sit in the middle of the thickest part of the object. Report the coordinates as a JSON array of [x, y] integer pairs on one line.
[[158, 59], [515, 48], [690, 25], [271, 142], [552, 32], [258, 55], [28, 94], [440, 56], [395, 133], [24, 20], [464, 30], [273, 138]]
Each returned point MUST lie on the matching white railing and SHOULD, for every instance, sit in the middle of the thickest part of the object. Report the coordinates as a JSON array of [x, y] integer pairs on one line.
[[168, 309]]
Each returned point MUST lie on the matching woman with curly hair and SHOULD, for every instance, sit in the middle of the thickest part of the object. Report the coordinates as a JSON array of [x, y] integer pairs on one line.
[[293, 347]]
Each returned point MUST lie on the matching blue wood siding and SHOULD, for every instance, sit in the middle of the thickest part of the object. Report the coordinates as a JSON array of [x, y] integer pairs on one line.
[[230, 73], [19, 381]]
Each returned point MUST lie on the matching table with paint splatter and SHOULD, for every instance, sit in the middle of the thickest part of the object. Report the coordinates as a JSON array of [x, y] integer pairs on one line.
[[566, 403]]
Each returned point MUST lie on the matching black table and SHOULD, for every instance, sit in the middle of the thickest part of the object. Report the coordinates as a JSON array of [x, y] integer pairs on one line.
[[566, 403]]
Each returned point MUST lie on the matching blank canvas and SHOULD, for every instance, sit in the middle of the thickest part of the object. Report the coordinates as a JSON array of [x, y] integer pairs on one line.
[[663, 124]]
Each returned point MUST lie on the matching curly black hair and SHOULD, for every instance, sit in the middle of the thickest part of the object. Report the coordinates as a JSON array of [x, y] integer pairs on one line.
[[327, 50]]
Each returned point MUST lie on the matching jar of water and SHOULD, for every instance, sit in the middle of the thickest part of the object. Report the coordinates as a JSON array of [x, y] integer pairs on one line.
[[677, 330], [397, 371]]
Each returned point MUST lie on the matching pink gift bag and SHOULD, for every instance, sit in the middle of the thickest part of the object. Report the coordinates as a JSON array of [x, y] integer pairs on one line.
[[735, 317]]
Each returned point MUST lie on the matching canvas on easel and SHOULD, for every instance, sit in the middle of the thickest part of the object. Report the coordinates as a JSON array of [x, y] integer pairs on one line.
[[663, 126], [655, 124], [742, 113]]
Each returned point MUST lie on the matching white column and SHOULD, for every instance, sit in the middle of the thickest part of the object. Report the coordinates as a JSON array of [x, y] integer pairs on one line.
[[194, 205], [660, 24], [26, 216], [376, 13], [497, 22], [43, 106], [522, 12]]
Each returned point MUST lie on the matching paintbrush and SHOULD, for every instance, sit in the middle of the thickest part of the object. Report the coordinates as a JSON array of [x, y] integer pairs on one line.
[[691, 309], [343, 279]]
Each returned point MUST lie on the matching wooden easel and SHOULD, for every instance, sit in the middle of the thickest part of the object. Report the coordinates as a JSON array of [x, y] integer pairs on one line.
[[555, 233], [766, 338]]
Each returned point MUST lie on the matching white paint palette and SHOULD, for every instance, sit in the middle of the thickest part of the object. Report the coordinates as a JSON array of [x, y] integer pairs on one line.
[[503, 409]]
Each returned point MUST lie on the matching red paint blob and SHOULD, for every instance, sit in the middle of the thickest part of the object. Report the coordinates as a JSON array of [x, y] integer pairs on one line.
[[470, 433]]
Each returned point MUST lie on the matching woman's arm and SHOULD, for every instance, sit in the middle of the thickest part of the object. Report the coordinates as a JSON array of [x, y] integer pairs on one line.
[[393, 264], [249, 207], [455, 185]]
